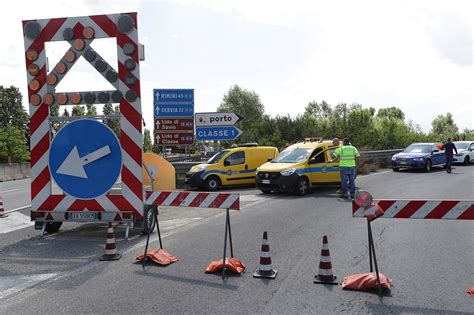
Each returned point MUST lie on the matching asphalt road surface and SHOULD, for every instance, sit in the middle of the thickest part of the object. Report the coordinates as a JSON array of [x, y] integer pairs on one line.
[[431, 262]]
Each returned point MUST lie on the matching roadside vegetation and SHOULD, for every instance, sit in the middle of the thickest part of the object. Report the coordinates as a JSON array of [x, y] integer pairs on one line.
[[368, 128]]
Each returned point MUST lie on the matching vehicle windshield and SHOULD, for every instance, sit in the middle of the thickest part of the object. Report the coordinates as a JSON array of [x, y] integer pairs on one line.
[[461, 145], [419, 148], [292, 155], [216, 157]]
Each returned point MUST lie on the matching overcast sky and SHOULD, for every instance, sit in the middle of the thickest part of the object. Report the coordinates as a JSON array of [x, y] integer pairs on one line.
[[416, 55]]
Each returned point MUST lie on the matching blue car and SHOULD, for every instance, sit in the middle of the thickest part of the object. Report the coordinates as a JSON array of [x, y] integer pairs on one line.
[[419, 155]]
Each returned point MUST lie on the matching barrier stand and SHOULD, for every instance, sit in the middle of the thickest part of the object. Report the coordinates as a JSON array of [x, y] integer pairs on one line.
[[227, 227], [372, 253], [150, 230], [201, 200]]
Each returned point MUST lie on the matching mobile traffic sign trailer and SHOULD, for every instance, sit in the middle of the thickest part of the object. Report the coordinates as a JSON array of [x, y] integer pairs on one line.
[[217, 126], [174, 111], [84, 158]]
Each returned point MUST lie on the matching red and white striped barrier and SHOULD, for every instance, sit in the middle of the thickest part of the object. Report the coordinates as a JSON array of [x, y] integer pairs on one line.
[[80, 32], [422, 209], [193, 199]]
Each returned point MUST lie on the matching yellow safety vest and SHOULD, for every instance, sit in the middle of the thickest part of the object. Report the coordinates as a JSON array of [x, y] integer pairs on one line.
[[347, 154]]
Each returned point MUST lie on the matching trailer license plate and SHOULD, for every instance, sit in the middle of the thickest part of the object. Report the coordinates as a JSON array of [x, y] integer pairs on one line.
[[265, 181], [82, 216]]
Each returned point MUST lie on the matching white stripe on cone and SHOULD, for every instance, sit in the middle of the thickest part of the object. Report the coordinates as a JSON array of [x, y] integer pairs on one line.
[[325, 259], [325, 246], [325, 272], [265, 254], [265, 267], [110, 251]]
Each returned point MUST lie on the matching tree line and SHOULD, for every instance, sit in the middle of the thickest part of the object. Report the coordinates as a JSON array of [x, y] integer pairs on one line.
[[368, 128]]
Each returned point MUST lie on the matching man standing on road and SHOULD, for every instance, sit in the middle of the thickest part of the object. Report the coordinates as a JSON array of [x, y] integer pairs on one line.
[[448, 148], [347, 155]]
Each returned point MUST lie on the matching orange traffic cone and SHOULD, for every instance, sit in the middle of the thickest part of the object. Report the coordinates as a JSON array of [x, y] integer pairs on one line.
[[265, 269], [2, 209], [110, 248], [325, 275], [470, 291]]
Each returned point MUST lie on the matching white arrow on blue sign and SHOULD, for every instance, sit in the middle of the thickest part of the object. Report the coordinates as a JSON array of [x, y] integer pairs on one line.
[[217, 133], [85, 158]]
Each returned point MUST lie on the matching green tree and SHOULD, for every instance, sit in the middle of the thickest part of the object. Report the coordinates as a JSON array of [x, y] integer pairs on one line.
[[444, 127], [54, 112], [91, 110], [66, 113], [147, 143], [78, 110], [248, 105], [11, 108], [114, 124], [13, 144], [391, 112]]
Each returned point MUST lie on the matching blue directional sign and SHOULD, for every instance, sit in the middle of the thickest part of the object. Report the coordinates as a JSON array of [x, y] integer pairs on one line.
[[173, 102], [85, 158], [217, 133]]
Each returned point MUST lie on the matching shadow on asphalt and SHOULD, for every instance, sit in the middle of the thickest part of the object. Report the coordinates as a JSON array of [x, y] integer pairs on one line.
[[189, 281]]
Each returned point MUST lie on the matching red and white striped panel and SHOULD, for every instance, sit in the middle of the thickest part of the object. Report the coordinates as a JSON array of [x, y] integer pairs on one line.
[[422, 209], [193, 199], [105, 26]]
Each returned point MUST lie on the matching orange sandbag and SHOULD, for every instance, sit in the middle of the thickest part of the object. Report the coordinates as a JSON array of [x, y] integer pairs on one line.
[[365, 281], [231, 264], [159, 256], [470, 291]]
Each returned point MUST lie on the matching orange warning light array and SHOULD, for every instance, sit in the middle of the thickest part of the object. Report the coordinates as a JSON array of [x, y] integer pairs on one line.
[[49, 99], [35, 99], [76, 98], [79, 44], [62, 98], [60, 68], [31, 54], [70, 56], [34, 85], [88, 32], [52, 79], [33, 69]]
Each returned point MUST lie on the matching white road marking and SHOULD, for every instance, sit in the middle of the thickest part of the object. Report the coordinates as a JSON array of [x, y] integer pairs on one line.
[[14, 221], [14, 284]]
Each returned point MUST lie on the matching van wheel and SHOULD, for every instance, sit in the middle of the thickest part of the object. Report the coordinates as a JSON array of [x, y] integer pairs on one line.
[[428, 166], [212, 183], [466, 160], [302, 186], [266, 191], [53, 227]]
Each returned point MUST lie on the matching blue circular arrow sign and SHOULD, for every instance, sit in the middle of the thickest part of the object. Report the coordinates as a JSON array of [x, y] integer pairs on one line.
[[85, 158]]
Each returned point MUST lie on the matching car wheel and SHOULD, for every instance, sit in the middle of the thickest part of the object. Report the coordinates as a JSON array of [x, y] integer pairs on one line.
[[212, 183], [53, 227], [428, 165], [396, 169], [466, 160], [302, 186], [266, 191]]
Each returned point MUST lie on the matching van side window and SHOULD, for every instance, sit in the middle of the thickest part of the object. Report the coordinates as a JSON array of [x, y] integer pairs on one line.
[[317, 156], [236, 158]]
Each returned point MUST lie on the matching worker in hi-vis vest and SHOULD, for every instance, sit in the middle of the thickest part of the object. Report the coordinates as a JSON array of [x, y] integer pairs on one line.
[[346, 155]]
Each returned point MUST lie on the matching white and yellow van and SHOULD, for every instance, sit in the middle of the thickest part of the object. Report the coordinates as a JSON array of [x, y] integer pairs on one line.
[[235, 166], [300, 167]]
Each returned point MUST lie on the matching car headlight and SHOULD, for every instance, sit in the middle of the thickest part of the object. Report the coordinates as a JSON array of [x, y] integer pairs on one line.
[[200, 169], [394, 158], [288, 172], [418, 159]]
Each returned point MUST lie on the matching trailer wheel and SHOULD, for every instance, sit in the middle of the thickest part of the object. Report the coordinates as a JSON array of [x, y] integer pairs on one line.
[[53, 227], [149, 220]]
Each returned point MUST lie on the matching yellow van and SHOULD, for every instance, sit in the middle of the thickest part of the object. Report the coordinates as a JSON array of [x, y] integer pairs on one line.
[[300, 167], [235, 166]]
